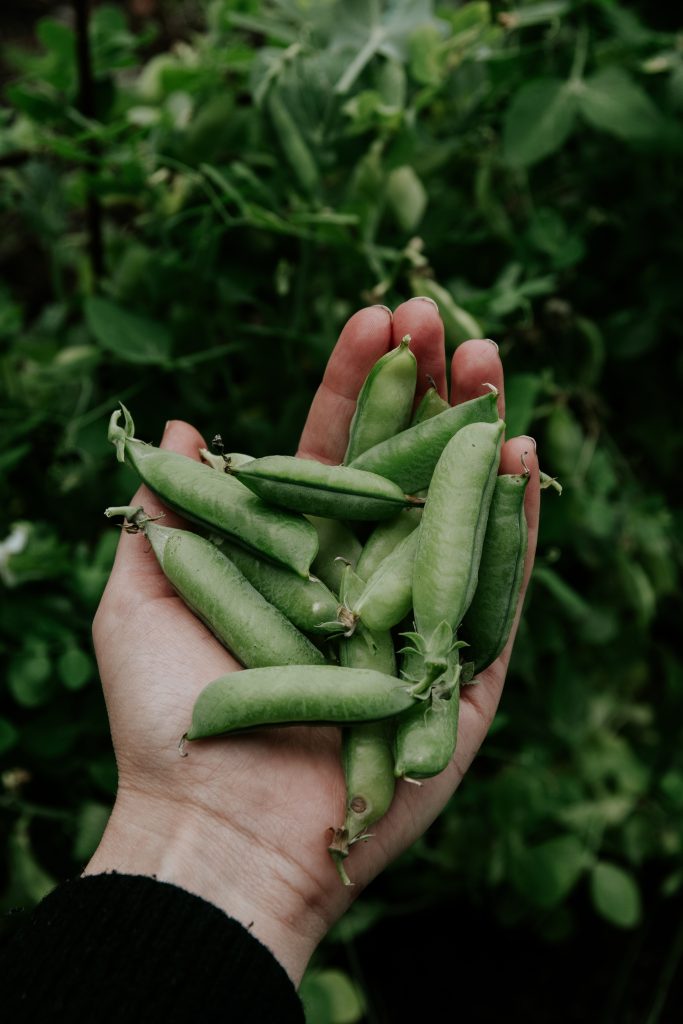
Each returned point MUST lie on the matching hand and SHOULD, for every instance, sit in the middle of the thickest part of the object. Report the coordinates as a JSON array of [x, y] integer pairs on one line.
[[243, 822]]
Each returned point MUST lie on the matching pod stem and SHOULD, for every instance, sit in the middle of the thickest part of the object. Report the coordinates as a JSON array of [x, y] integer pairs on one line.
[[339, 851], [438, 661], [134, 515], [549, 481], [117, 434]]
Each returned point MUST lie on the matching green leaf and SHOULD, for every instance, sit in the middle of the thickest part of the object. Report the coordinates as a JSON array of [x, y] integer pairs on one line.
[[538, 121], [330, 997], [616, 895], [75, 668], [612, 101], [92, 820], [369, 28], [30, 677], [8, 735], [133, 338], [547, 872], [28, 881]]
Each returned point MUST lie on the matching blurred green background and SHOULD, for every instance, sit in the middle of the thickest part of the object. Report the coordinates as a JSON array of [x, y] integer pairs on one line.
[[194, 198]]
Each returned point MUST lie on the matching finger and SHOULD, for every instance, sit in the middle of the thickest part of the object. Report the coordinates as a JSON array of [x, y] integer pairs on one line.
[[134, 557], [475, 364], [419, 317], [364, 338]]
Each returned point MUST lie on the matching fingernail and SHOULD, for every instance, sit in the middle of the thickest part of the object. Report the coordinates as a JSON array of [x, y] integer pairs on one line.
[[423, 298], [492, 342], [530, 438], [378, 305]]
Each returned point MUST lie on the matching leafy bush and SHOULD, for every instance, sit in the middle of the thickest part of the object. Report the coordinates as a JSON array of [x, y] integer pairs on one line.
[[188, 222]]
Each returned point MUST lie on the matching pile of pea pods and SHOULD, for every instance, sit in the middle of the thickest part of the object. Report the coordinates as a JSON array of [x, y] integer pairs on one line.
[[363, 595]]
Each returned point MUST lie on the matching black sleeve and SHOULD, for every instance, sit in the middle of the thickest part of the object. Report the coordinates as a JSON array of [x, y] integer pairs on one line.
[[127, 948]]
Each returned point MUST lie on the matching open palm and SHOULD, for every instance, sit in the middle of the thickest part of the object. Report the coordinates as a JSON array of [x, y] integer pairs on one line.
[[244, 821]]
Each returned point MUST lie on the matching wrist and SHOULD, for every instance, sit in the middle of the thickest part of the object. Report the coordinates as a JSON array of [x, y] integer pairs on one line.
[[184, 846]]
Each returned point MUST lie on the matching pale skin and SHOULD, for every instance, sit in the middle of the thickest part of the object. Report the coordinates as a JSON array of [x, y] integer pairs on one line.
[[244, 821]]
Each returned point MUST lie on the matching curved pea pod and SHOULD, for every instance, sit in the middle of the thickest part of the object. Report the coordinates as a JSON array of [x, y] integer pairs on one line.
[[453, 526], [384, 539], [367, 751], [489, 619], [216, 500], [387, 596], [218, 594], [337, 545], [294, 695], [431, 405], [307, 603], [292, 141], [336, 492], [426, 736], [409, 458], [385, 400]]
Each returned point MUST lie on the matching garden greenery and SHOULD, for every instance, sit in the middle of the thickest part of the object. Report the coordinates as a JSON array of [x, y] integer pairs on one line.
[[190, 214]]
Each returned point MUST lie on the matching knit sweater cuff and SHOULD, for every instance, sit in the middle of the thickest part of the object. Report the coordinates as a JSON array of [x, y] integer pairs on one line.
[[122, 947]]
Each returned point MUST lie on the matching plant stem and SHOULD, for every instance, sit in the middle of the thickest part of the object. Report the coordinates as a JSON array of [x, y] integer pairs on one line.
[[87, 106]]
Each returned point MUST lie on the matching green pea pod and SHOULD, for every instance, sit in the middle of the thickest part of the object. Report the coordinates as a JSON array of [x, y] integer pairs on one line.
[[306, 603], [385, 401], [409, 458], [453, 526], [216, 500], [292, 141], [488, 621], [217, 592], [338, 545], [431, 405], [388, 594], [367, 750], [384, 538], [426, 736], [296, 694], [336, 492]]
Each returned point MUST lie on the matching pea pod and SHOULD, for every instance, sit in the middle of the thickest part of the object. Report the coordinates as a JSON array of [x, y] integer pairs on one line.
[[217, 592], [385, 400], [296, 694], [488, 621], [384, 538], [453, 525], [367, 754], [426, 736], [216, 500], [449, 548], [431, 405], [387, 596], [409, 458], [307, 603], [338, 545], [304, 485]]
